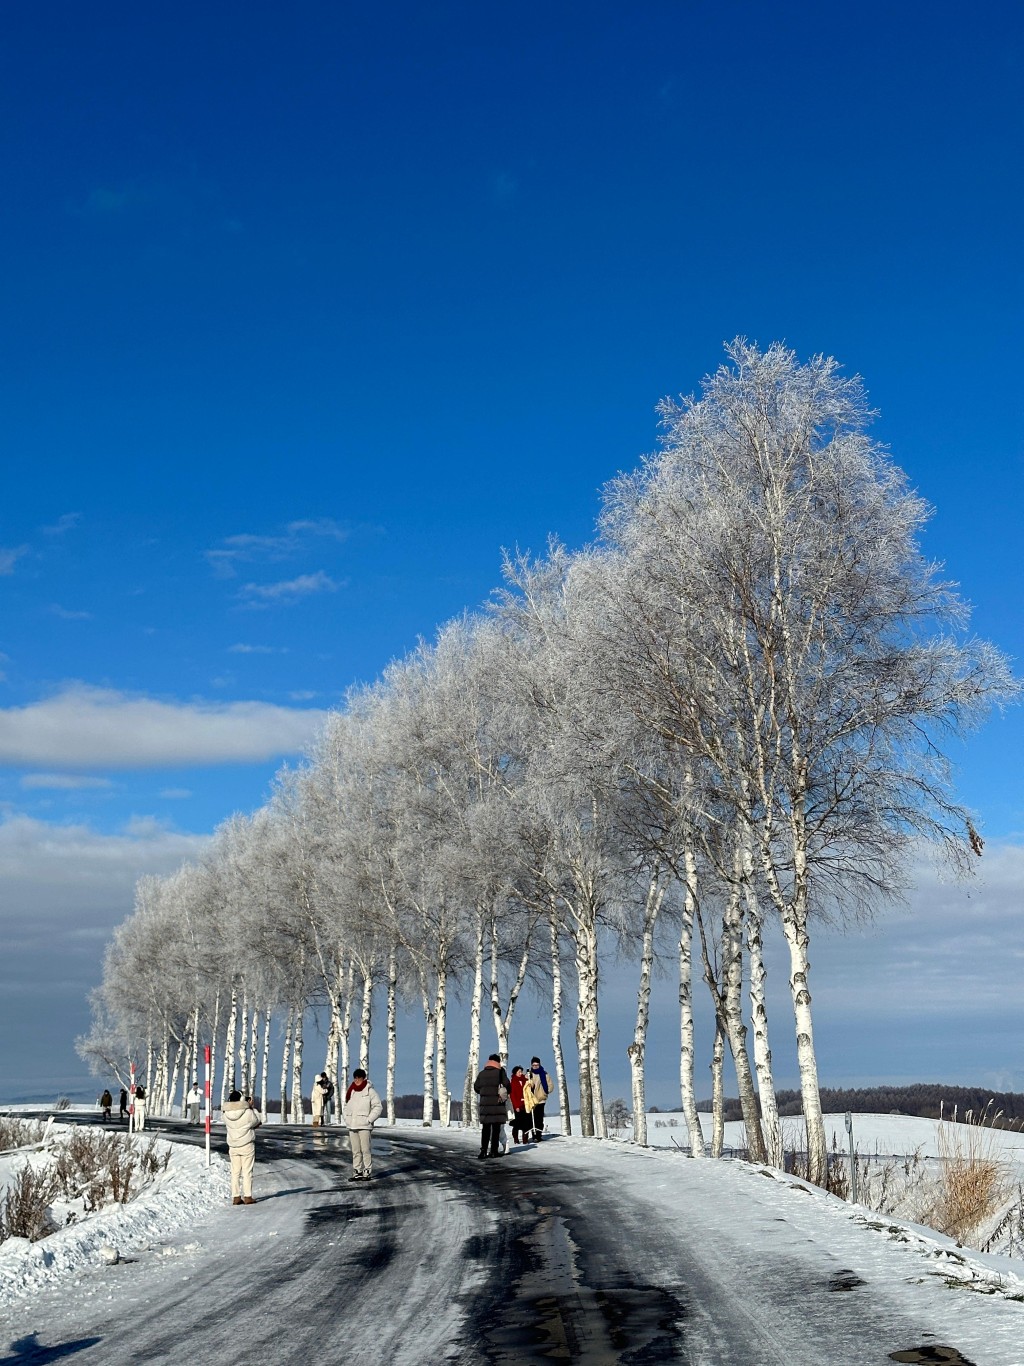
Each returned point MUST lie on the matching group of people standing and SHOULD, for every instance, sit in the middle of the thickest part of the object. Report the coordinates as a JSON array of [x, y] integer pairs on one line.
[[525, 1093], [132, 1109]]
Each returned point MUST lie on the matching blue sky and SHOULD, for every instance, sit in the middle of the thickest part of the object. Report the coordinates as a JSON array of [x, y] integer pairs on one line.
[[306, 315]]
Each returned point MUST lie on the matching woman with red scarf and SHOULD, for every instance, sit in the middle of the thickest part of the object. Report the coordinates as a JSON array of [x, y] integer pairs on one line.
[[521, 1121], [363, 1108]]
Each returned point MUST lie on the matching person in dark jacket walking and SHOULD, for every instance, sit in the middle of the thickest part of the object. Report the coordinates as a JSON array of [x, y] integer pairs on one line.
[[492, 1088], [124, 1104]]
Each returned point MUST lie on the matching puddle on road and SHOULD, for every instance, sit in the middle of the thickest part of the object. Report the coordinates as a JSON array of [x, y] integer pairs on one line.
[[552, 1315]]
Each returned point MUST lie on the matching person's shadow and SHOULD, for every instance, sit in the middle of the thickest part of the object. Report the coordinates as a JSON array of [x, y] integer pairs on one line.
[[31, 1350]]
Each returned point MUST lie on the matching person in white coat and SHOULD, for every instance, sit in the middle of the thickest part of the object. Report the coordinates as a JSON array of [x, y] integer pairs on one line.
[[318, 1098], [138, 1110], [363, 1107], [192, 1101], [241, 1122]]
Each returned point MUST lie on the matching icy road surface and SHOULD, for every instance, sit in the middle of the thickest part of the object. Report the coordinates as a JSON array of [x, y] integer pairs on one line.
[[570, 1251]]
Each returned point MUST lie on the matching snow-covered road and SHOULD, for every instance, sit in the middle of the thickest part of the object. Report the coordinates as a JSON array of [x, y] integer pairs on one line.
[[574, 1251]]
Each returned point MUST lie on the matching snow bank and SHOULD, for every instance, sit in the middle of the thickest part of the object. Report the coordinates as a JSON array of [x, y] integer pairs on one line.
[[175, 1198]]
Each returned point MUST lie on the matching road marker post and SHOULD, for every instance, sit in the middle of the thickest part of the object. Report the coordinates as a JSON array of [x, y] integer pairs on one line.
[[206, 1089]]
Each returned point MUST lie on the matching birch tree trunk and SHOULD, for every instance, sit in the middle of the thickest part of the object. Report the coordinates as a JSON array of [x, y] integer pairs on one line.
[[285, 1058], [333, 1041], [687, 1047], [175, 1071], [243, 1046], [298, 1113], [655, 897], [717, 1092], [770, 1121], [731, 999], [228, 1078], [556, 1027], [346, 1026], [392, 1033], [265, 1070], [593, 1031], [429, 1043], [583, 1049], [366, 1018], [441, 1017], [254, 1041], [469, 1109]]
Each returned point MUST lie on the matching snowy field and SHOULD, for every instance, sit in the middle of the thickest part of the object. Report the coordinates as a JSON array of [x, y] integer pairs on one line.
[[184, 1215]]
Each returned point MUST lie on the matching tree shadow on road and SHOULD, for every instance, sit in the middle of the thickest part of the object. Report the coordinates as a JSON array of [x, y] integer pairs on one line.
[[31, 1351]]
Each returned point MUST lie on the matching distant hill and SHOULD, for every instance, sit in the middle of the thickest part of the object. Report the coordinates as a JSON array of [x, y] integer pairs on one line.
[[923, 1099]]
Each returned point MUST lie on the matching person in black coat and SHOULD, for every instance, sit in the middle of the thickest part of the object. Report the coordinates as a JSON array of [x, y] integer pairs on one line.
[[492, 1088]]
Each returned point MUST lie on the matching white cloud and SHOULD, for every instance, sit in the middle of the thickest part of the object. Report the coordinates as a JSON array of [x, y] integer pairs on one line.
[[85, 727], [290, 590], [257, 650], [63, 524], [67, 782], [9, 556], [251, 547], [66, 614], [176, 794]]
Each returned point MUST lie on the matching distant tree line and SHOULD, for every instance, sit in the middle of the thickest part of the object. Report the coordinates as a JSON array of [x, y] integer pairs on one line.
[[925, 1100]]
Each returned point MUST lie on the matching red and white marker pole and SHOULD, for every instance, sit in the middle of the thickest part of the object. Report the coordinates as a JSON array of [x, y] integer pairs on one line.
[[206, 1088], [131, 1103]]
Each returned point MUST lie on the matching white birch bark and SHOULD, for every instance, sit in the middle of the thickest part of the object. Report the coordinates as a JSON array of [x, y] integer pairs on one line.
[[770, 1122], [636, 1050], [175, 1072], [392, 1034], [254, 1040], [265, 1069], [298, 1114], [429, 1044], [441, 1018], [285, 1059], [687, 1046], [346, 1026], [228, 1078], [556, 1025], [718, 1092], [366, 1018], [243, 1046], [469, 1098]]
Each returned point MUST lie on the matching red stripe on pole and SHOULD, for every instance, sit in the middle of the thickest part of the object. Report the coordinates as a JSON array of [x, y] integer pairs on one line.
[[206, 1088]]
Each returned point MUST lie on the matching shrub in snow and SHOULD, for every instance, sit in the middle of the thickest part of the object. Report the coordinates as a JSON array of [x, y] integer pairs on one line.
[[84, 1172], [19, 1133]]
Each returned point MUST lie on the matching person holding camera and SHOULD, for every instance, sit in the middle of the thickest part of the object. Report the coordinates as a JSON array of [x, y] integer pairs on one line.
[[241, 1122]]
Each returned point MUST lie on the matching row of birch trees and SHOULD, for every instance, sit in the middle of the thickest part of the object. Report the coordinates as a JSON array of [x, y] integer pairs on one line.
[[724, 720]]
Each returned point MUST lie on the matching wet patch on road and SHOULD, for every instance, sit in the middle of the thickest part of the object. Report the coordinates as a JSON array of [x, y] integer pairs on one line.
[[844, 1280], [936, 1355], [554, 1308]]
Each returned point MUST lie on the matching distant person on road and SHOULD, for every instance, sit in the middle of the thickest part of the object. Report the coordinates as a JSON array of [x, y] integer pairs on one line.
[[538, 1085], [106, 1103], [521, 1122], [139, 1110], [192, 1102], [241, 1122], [363, 1107], [492, 1086], [318, 1098], [124, 1104]]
